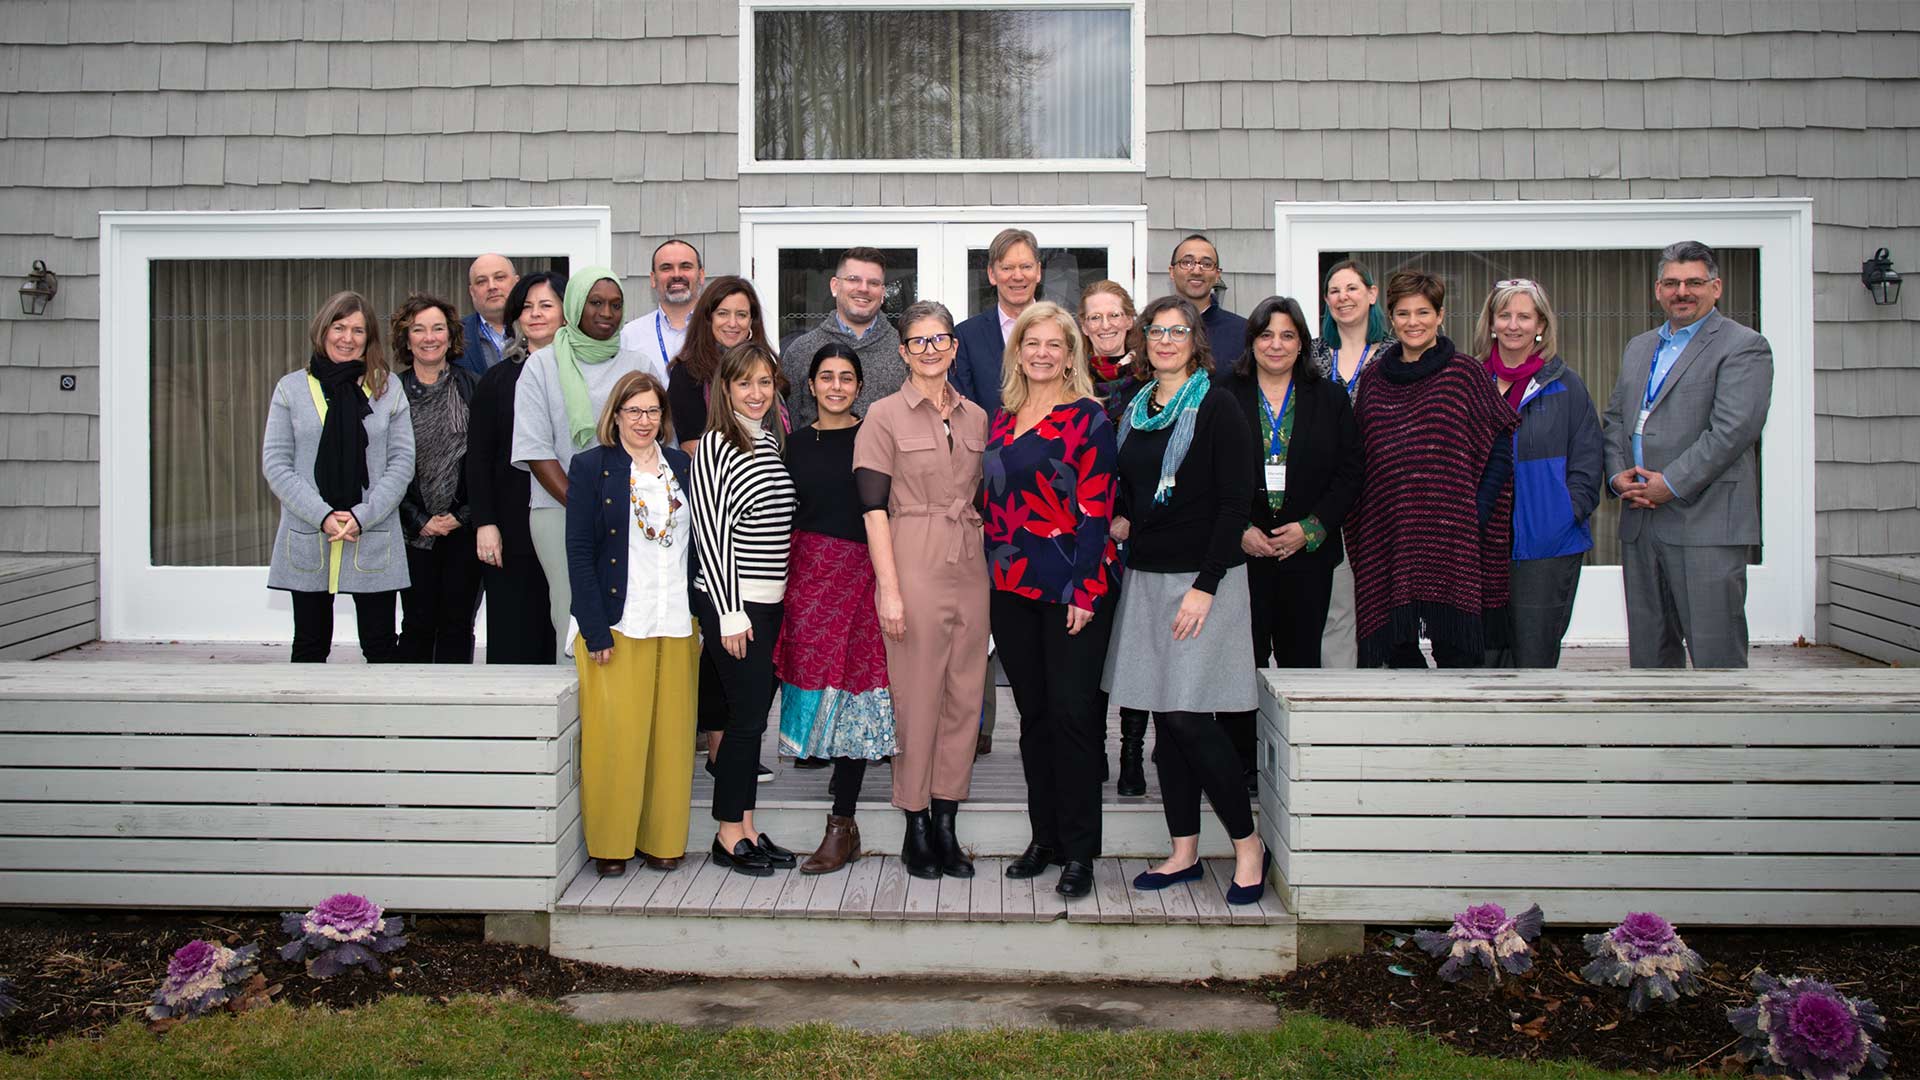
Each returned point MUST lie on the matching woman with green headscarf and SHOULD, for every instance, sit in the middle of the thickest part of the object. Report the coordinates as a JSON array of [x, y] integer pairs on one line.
[[556, 405]]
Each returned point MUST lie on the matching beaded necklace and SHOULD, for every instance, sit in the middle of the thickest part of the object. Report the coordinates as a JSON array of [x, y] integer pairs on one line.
[[663, 535]]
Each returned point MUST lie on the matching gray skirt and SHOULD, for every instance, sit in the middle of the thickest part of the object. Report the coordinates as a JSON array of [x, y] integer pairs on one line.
[[1147, 669]]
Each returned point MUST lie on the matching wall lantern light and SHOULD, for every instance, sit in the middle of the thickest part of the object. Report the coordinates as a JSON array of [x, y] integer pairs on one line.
[[42, 284], [1880, 278]]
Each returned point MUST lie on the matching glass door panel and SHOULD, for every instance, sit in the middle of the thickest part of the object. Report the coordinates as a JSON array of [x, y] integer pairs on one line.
[[792, 264], [803, 297], [1073, 255]]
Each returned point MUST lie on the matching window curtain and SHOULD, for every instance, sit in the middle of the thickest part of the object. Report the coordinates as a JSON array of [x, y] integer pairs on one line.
[[1602, 300], [852, 85], [222, 333]]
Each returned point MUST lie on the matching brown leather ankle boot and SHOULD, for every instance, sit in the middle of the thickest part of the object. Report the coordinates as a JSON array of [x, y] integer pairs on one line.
[[839, 847]]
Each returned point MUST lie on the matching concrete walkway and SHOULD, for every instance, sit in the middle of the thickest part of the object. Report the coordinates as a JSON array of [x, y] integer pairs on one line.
[[927, 1008]]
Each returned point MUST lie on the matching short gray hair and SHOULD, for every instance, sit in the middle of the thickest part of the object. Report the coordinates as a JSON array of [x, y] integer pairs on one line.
[[1687, 251], [925, 309]]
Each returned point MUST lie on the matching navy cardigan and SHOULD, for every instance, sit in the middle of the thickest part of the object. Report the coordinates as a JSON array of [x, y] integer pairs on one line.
[[599, 516]]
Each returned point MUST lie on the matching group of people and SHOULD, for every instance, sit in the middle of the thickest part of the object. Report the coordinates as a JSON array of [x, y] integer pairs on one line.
[[1137, 507]]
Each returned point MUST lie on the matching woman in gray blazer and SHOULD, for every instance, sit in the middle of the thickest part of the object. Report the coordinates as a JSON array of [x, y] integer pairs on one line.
[[338, 454]]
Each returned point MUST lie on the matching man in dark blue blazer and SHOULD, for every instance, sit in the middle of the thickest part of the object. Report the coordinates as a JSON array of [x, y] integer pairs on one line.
[[1013, 266], [1194, 271], [489, 280]]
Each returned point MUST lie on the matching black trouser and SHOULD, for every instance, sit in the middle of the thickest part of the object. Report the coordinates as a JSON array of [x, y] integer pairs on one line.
[[710, 707], [746, 686], [437, 609], [1055, 678], [519, 630], [1289, 612], [849, 773], [313, 627], [1195, 756], [1540, 603]]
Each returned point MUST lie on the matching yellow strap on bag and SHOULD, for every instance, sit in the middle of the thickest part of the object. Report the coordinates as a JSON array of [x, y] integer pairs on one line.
[[335, 548]]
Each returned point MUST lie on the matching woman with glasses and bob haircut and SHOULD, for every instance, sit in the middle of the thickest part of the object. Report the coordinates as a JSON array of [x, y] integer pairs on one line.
[[1182, 640], [629, 549], [1557, 468], [916, 466]]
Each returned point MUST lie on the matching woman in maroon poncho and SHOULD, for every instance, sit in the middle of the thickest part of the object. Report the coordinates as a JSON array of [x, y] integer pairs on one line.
[[1431, 536]]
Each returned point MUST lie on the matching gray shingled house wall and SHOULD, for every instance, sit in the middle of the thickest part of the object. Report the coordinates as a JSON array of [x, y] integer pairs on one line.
[[235, 104]]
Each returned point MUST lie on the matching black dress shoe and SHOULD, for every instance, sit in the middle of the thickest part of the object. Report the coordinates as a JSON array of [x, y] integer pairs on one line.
[[778, 857], [745, 858], [916, 851], [1076, 879], [946, 844], [610, 867], [1032, 862]]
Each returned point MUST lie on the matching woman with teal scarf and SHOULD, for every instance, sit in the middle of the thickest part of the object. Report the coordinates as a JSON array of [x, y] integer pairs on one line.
[[1183, 636], [556, 405]]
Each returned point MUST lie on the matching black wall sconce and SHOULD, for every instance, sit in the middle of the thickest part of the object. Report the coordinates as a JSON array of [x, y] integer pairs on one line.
[[41, 287], [1880, 278]]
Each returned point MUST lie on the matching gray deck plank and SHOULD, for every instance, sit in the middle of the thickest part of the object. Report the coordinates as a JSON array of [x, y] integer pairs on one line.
[[1177, 901], [1016, 898], [673, 886], [1149, 906], [733, 893], [863, 879], [923, 899], [577, 889], [765, 892], [605, 890], [956, 897], [1209, 903], [987, 877], [699, 895], [1081, 908], [1047, 904], [641, 883], [795, 891], [890, 896], [828, 890], [1110, 890]]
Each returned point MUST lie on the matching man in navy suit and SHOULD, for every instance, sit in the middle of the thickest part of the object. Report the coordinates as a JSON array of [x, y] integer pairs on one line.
[[1013, 266], [1194, 271], [489, 280]]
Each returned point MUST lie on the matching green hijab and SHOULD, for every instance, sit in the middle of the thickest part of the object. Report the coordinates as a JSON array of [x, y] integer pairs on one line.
[[572, 347]]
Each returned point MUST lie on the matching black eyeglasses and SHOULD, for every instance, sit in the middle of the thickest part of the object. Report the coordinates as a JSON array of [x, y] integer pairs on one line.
[[918, 346]]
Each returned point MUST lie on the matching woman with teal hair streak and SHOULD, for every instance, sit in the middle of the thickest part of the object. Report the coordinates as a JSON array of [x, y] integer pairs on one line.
[[555, 408], [1353, 331]]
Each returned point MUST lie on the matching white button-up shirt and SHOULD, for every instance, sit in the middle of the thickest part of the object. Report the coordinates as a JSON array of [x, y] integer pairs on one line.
[[657, 575]]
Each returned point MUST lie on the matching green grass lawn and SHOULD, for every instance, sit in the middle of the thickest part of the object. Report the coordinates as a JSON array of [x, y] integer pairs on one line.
[[486, 1037]]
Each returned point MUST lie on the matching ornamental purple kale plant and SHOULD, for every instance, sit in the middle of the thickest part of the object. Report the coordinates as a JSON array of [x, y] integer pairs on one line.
[[1484, 935], [1645, 955], [340, 932], [1807, 1030], [201, 976]]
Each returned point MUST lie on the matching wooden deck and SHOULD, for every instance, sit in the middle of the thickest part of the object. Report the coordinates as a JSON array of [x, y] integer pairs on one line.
[[47, 604]]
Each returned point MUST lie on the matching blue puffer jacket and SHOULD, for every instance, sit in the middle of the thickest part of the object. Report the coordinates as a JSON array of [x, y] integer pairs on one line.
[[1557, 466]]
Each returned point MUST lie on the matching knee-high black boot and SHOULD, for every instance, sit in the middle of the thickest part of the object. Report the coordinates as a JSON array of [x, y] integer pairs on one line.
[[1133, 737]]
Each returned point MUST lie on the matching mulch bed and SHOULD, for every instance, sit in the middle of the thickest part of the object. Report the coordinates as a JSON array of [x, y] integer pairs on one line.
[[1552, 1013], [80, 973]]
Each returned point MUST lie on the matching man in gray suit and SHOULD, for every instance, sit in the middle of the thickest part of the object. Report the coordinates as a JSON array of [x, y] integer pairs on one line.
[[1681, 429]]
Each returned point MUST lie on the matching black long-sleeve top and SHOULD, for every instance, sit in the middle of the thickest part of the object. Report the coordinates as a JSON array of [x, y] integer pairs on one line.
[[496, 490], [821, 463], [1197, 529]]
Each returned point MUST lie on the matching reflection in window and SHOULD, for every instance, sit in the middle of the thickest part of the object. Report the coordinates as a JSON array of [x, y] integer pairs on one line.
[[1065, 274], [1602, 298], [805, 299], [222, 333], [932, 84]]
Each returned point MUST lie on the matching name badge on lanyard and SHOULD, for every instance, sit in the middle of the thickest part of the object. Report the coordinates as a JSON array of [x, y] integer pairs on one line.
[[1276, 463], [1276, 477]]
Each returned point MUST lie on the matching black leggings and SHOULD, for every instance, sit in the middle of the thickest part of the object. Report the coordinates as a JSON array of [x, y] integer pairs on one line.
[[1196, 756], [848, 774], [746, 685], [313, 627], [437, 609]]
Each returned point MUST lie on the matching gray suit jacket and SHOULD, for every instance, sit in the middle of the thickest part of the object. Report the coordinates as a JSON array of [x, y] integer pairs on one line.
[[377, 562], [1701, 434]]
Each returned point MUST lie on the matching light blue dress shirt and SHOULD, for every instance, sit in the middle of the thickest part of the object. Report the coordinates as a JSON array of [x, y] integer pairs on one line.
[[1672, 344]]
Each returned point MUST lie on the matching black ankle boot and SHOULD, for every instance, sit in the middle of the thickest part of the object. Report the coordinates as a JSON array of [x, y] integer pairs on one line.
[[1133, 738], [946, 845], [916, 851]]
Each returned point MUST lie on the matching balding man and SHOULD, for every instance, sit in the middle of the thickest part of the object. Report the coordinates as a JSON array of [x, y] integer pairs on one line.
[[489, 280]]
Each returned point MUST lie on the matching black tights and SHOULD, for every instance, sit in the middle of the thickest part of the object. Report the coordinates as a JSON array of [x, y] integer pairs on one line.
[[1195, 755], [848, 774]]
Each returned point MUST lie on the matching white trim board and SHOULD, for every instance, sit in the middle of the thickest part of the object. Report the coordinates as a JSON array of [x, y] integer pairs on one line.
[[1135, 162], [143, 602], [1780, 589]]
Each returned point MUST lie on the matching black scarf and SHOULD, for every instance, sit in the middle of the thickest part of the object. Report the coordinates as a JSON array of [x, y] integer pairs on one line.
[[1395, 370], [340, 468]]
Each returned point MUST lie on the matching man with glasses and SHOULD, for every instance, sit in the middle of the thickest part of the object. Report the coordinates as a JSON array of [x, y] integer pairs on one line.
[[1681, 431], [677, 274], [1013, 267], [859, 288], [1195, 270]]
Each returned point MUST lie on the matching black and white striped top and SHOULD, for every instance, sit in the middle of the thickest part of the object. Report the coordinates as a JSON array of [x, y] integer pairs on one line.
[[743, 509]]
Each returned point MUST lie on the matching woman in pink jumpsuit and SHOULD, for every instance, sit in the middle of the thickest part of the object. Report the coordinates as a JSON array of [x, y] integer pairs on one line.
[[916, 464]]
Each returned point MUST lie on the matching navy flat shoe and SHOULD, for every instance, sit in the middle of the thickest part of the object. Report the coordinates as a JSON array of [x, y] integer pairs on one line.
[[1249, 894], [1152, 882]]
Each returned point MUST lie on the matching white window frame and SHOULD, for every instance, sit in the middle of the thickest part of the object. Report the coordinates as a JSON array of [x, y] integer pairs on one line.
[[1137, 162], [942, 235], [143, 602], [1780, 589]]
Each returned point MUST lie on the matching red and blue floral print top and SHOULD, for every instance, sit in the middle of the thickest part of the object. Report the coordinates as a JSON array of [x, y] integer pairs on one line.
[[1047, 501]]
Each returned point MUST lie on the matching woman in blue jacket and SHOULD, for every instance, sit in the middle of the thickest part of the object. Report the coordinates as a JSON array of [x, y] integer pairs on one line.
[[1557, 467], [629, 561]]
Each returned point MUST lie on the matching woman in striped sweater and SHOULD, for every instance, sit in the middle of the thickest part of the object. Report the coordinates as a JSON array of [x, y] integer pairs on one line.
[[743, 506]]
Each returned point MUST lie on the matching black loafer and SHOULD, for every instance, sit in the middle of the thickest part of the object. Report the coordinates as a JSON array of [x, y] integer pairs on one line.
[[777, 856], [1032, 862], [1076, 879], [745, 858]]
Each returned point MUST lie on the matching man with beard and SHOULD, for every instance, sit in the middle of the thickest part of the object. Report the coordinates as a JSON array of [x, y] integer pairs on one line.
[[1194, 271], [859, 287], [489, 280], [677, 275]]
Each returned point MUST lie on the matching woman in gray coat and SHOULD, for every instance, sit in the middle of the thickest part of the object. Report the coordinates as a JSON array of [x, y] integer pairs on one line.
[[338, 454]]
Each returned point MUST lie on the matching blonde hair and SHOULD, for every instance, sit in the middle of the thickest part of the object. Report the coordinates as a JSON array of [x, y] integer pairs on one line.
[[339, 306], [1549, 344], [736, 363], [630, 386], [1013, 381]]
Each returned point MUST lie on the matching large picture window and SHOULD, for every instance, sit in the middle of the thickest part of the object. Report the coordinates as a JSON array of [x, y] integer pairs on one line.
[[961, 84]]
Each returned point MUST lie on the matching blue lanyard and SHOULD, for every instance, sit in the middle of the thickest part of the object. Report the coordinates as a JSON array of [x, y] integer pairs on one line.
[[1275, 443], [1348, 384], [658, 318]]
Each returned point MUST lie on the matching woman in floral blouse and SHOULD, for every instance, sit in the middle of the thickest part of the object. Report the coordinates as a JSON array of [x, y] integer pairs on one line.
[[1048, 501]]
